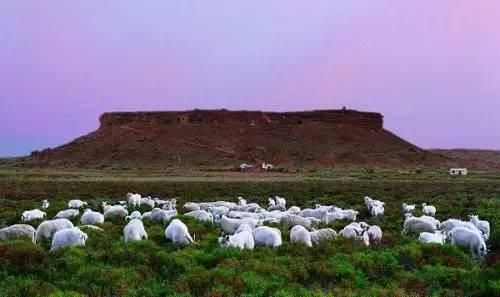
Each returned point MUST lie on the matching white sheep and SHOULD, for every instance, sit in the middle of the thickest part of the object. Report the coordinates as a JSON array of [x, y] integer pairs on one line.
[[468, 239], [433, 220], [178, 233], [18, 231], [201, 215], [134, 231], [280, 200], [417, 225], [134, 215], [377, 210], [315, 213], [45, 204], [148, 201], [267, 236], [408, 207], [218, 210], [276, 207], [46, 229], [241, 240], [90, 217], [76, 203], [301, 235], [271, 202], [436, 237], [343, 214], [161, 215], [374, 233], [119, 211], [350, 231], [294, 210], [34, 214], [450, 224], [134, 200], [68, 237], [241, 201], [375, 207], [318, 236], [191, 206], [291, 220], [67, 214], [429, 210], [243, 227], [482, 225], [230, 225], [146, 215]]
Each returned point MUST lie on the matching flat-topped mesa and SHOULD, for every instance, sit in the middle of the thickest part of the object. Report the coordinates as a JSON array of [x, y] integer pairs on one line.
[[368, 120]]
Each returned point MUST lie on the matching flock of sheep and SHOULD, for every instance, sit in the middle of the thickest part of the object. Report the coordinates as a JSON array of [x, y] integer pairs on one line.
[[242, 223]]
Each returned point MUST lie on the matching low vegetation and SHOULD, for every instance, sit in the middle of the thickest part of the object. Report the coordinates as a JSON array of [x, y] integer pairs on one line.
[[106, 266]]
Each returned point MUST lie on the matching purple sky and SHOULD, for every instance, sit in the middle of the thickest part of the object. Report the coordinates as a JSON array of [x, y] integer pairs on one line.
[[431, 67]]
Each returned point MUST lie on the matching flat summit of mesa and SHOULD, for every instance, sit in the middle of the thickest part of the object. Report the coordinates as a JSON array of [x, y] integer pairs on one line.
[[221, 138]]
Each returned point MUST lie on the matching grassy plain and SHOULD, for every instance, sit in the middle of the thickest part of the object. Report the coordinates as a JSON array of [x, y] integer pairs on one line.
[[107, 267]]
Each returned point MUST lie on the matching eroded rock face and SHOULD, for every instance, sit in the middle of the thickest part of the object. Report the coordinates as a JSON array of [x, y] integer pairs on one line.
[[369, 120], [207, 138]]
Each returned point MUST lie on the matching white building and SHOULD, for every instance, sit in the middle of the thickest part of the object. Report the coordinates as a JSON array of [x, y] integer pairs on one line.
[[458, 171]]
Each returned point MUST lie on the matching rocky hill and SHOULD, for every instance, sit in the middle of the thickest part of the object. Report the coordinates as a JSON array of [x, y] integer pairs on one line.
[[221, 138]]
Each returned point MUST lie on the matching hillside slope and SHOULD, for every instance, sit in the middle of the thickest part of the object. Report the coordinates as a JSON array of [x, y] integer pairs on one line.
[[218, 138]]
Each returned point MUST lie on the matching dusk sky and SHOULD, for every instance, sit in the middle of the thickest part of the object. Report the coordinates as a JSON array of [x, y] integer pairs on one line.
[[431, 67]]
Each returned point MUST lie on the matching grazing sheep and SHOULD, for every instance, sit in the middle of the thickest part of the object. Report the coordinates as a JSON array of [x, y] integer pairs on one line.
[[375, 207], [408, 207], [90, 217], [148, 201], [350, 231], [433, 220], [450, 224], [429, 210], [301, 235], [321, 235], [134, 231], [468, 239], [68, 237], [76, 203], [374, 234], [280, 201], [436, 237], [122, 202], [46, 229], [18, 231], [45, 204], [134, 200], [347, 214], [161, 215], [201, 215], [267, 236], [244, 167], [178, 233], [67, 214], [291, 220], [119, 211], [417, 225], [276, 207], [483, 226], [134, 215], [243, 227], [34, 214], [241, 201], [230, 225], [315, 213], [146, 215], [241, 240], [314, 221], [272, 202], [294, 210], [191, 206], [218, 210]]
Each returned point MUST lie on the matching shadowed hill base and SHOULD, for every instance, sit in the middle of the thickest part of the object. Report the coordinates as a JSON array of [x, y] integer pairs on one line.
[[221, 138]]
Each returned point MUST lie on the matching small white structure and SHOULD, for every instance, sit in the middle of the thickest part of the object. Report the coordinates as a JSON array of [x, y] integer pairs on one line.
[[458, 171], [267, 166]]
